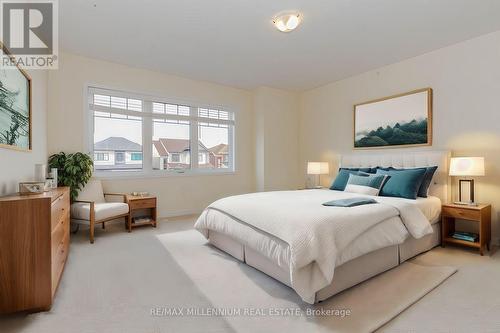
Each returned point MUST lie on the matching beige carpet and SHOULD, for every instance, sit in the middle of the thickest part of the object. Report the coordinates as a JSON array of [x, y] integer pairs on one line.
[[112, 285], [229, 284]]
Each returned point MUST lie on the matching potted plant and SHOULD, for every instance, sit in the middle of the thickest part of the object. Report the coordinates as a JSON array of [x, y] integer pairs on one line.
[[73, 170]]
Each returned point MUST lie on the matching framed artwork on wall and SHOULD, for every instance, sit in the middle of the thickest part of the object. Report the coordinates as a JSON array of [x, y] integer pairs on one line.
[[15, 107], [403, 120]]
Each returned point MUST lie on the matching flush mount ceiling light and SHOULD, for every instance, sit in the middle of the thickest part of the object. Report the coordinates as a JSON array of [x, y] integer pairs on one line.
[[287, 22]]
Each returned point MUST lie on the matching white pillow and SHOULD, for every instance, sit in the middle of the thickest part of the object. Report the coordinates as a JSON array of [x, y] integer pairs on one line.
[[369, 185]]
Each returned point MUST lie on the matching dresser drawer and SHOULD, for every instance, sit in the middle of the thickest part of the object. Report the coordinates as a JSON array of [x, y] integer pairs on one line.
[[61, 230], [60, 206], [142, 203], [466, 214], [59, 260]]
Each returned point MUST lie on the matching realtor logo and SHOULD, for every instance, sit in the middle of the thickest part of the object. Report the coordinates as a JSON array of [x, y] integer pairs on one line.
[[29, 31]]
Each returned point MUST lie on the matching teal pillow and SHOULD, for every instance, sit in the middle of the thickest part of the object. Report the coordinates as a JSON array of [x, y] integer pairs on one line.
[[426, 182], [350, 202], [403, 183], [343, 176]]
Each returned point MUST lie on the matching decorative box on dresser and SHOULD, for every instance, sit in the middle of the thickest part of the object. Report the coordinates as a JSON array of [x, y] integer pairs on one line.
[[34, 244]]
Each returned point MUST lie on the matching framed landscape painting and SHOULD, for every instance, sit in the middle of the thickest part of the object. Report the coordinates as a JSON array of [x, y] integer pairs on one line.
[[397, 121], [15, 107]]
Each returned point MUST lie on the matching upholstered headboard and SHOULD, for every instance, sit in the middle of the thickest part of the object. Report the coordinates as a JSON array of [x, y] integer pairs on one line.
[[440, 186]]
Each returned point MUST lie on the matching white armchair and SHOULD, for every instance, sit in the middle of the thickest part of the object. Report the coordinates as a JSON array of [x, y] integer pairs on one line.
[[91, 207]]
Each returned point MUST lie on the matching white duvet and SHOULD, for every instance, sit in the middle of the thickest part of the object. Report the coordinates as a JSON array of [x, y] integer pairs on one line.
[[316, 235]]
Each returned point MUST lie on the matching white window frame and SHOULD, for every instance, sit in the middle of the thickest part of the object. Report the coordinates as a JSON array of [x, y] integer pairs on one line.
[[147, 133]]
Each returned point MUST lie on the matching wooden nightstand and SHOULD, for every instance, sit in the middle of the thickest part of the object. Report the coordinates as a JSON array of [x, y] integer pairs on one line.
[[480, 214], [140, 204]]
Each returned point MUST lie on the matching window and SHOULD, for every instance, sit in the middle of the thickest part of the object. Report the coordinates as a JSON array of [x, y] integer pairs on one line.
[[202, 158], [101, 157], [117, 131], [136, 156], [215, 135], [215, 140], [175, 158], [171, 137], [120, 157], [139, 133]]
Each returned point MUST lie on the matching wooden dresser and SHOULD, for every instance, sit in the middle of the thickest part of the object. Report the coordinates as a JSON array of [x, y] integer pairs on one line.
[[34, 244]]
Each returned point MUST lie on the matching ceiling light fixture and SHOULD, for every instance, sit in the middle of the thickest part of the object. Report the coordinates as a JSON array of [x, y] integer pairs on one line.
[[287, 22]]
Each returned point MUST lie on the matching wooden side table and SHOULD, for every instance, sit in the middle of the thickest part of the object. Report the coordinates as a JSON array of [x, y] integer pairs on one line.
[[479, 214], [139, 204]]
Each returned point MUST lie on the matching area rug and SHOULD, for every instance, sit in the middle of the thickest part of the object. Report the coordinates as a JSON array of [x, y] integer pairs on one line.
[[251, 301]]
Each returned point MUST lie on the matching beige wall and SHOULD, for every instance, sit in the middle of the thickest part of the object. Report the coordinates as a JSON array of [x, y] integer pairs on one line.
[[16, 166], [177, 194], [277, 140], [466, 81], [278, 131]]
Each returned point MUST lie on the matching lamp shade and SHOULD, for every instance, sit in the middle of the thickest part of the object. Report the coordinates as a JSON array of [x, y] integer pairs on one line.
[[317, 168], [467, 166]]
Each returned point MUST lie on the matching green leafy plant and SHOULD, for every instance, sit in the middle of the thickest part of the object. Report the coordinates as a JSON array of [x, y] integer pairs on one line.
[[73, 170]]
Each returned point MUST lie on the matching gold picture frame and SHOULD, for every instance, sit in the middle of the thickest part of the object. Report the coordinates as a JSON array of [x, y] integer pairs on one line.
[[29, 100], [410, 133]]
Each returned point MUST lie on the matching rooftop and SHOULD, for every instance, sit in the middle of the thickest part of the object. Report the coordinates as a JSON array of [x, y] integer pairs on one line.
[[117, 143]]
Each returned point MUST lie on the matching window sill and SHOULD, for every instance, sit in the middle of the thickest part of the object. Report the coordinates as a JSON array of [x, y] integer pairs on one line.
[[118, 175]]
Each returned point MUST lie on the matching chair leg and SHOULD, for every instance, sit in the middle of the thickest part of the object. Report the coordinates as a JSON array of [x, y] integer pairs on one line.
[[91, 231], [92, 222]]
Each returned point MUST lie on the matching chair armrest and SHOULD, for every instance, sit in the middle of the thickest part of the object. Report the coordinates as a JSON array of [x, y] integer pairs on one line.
[[123, 195], [120, 194], [83, 201]]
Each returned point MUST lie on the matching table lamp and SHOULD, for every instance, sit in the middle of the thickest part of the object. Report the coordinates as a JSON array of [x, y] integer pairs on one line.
[[466, 167], [318, 168]]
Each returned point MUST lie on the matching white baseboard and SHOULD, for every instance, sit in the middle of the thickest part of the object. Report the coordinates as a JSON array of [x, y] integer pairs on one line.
[[177, 213], [170, 214]]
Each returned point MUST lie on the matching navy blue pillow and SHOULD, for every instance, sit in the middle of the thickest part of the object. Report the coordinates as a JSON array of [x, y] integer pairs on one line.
[[367, 170], [424, 188], [340, 181], [403, 183], [426, 182]]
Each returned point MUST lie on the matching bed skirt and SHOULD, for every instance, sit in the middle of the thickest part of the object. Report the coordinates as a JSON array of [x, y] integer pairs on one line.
[[348, 274]]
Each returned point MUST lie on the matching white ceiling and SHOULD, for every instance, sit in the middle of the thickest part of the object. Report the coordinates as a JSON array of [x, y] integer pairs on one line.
[[233, 41]]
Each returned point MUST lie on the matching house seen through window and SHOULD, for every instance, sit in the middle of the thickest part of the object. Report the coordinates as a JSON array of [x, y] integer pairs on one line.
[[182, 138]]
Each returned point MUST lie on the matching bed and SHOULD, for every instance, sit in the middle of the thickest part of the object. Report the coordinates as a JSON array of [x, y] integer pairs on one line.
[[384, 240]]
